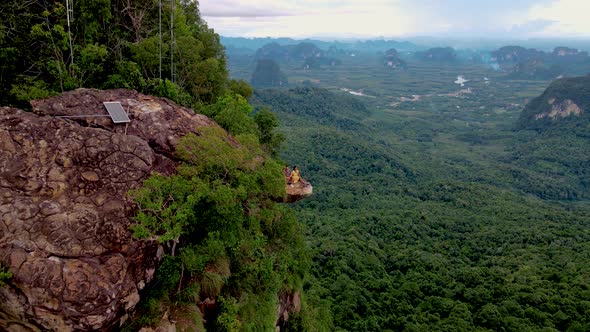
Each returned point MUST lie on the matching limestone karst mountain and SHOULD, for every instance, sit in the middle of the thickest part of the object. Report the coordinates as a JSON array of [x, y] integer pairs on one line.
[[392, 60], [287, 53], [268, 74], [438, 54], [565, 102]]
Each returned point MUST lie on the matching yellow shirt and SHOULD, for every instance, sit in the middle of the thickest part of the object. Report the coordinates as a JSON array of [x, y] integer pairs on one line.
[[295, 176]]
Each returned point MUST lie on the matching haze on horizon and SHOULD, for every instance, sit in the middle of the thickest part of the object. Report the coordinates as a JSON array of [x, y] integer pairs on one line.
[[503, 19]]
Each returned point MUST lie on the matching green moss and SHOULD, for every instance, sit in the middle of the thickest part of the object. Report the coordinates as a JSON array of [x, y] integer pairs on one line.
[[5, 275]]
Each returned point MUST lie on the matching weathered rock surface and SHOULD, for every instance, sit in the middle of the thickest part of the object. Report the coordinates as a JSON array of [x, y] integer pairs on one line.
[[564, 104], [289, 303], [563, 109], [297, 192], [64, 214]]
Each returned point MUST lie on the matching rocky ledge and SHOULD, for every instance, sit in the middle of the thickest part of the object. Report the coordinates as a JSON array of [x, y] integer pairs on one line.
[[298, 191], [64, 213]]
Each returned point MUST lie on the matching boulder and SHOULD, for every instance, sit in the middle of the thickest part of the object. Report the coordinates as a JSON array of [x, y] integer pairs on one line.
[[298, 191], [64, 210]]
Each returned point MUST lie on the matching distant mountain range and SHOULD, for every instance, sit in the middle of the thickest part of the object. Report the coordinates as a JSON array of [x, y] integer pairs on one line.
[[516, 61], [523, 63], [365, 46], [278, 52], [438, 54]]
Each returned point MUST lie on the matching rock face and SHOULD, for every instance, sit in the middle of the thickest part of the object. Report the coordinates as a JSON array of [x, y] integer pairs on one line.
[[297, 192], [64, 214], [289, 303], [535, 69], [510, 55], [564, 104], [564, 109]]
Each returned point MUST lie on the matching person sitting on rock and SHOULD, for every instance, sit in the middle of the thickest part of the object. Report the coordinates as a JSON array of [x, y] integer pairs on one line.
[[287, 172], [295, 176]]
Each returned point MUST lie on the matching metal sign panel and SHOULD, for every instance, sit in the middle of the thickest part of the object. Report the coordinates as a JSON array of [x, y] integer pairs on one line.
[[116, 111]]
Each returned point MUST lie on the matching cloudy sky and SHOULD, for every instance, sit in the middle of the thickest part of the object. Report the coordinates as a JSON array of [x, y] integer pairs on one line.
[[398, 18]]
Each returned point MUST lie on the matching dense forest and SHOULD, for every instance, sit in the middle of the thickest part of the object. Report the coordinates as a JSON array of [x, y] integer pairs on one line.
[[109, 44], [416, 234]]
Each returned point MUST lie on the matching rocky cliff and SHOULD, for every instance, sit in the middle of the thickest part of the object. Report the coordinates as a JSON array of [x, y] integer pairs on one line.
[[297, 192], [64, 213], [566, 102]]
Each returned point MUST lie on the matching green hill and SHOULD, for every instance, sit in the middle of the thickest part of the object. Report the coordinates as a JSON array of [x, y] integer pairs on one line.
[[565, 103], [286, 53], [392, 60], [560, 148], [268, 74], [438, 54]]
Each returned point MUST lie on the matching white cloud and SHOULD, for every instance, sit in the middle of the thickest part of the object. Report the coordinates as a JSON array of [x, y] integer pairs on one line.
[[309, 18], [394, 18], [258, 8], [570, 17]]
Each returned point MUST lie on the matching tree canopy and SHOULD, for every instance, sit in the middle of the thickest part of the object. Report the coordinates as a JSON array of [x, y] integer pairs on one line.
[[109, 44], [225, 237]]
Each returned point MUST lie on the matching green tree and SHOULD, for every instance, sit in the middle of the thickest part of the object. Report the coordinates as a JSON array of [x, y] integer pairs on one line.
[[225, 236], [110, 41], [267, 123], [240, 87], [5, 275], [232, 113]]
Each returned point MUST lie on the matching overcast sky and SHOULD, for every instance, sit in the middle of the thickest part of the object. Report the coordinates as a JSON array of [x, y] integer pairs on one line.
[[398, 18]]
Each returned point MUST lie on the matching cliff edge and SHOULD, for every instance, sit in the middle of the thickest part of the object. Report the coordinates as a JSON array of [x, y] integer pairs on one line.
[[64, 213]]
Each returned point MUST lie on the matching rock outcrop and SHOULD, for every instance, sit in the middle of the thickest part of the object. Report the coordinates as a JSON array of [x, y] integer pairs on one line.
[[289, 303], [564, 109], [564, 104], [64, 213], [297, 192], [511, 55]]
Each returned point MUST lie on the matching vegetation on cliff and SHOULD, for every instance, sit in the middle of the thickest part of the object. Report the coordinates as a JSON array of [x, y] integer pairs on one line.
[[438, 54], [4, 275], [286, 53], [227, 240], [229, 246]]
